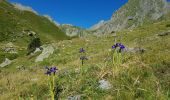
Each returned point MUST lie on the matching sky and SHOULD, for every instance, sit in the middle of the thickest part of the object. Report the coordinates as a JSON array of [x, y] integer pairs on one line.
[[82, 13]]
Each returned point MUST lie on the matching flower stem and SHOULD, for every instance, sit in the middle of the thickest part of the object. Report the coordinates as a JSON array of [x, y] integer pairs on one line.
[[82, 62], [51, 84], [52, 90]]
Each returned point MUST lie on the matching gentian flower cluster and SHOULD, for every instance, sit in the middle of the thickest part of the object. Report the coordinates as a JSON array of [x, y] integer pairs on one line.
[[119, 46], [82, 57], [51, 70]]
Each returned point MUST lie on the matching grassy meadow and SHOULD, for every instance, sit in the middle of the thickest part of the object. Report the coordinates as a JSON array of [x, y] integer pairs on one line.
[[141, 76]]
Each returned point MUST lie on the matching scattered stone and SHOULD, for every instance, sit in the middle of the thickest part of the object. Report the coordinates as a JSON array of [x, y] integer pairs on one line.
[[22, 67], [47, 51], [10, 44], [77, 70], [114, 35], [6, 63], [76, 97], [87, 40], [104, 85], [130, 17], [29, 32], [135, 50], [164, 34], [109, 50], [10, 48], [34, 79]]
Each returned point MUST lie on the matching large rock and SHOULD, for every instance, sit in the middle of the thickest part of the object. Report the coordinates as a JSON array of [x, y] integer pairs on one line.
[[6, 63], [47, 51]]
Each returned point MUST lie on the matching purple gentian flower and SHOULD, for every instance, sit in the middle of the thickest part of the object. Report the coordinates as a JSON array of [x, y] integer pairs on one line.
[[113, 47], [48, 72], [122, 46], [82, 50], [118, 45], [51, 70]]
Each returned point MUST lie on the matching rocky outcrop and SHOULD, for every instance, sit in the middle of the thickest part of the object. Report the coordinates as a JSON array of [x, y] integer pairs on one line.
[[47, 51], [133, 14], [98, 25], [6, 63]]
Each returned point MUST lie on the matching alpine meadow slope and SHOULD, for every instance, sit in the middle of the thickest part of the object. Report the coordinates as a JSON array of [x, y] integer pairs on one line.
[[92, 67]]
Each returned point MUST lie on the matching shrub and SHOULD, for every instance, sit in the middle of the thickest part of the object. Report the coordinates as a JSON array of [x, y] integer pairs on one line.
[[168, 25], [35, 43]]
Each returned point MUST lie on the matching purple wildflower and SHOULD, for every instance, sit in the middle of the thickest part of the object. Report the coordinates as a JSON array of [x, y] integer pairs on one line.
[[48, 72], [82, 50], [118, 45], [122, 46], [51, 70], [113, 47]]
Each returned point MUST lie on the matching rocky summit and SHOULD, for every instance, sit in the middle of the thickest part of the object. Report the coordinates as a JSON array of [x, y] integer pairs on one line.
[[134, 13]]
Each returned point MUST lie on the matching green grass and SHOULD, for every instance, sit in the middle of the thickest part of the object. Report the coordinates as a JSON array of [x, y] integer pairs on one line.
[[140, 77]]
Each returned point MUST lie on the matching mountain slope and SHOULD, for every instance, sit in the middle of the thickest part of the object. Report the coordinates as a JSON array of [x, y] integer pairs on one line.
[[13, 23], [134, 13]]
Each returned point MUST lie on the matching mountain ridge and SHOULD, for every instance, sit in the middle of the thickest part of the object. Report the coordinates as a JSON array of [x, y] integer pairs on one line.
[[134, 13]]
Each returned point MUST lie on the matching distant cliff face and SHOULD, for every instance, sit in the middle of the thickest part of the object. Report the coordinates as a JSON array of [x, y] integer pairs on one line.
[[72, 31], [101, 23], [132, 14]]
